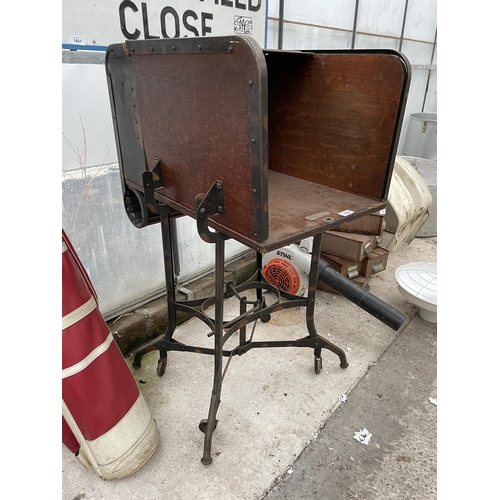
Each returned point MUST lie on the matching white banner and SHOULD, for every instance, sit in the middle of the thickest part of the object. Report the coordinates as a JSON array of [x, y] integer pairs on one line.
[[95, 24]]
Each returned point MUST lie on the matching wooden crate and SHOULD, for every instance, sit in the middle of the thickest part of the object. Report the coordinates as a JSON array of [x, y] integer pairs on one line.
[[375, 263], [346, 267], [350, 246], [372, 224], [362, 281]]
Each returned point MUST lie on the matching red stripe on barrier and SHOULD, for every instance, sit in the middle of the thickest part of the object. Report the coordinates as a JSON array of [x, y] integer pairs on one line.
[[80, 339], [101, 395]]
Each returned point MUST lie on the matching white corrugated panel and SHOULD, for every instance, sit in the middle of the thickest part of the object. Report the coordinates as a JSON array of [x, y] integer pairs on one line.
[[421, 20], [381, 17], [338, 14]]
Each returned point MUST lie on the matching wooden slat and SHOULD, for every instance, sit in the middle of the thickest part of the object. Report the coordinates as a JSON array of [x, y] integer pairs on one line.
[[333, 118]]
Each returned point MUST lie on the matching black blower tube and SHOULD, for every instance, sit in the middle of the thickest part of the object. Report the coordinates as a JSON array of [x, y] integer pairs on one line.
[[362, 298]]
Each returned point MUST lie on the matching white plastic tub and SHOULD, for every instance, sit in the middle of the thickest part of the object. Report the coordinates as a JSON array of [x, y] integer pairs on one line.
[[421, 136]]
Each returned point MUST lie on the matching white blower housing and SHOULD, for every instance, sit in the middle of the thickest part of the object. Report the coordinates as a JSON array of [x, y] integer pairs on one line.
[[288, 268]]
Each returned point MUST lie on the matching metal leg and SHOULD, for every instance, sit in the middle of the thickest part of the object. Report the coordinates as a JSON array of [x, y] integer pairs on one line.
[[311, 298], [243, 329], [260, 297], [166, 234], [158, 344], [166, 342], [219, 319], [259, 267]]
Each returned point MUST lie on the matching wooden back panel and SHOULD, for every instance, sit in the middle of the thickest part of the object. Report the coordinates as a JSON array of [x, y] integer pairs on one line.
[[335, 117]]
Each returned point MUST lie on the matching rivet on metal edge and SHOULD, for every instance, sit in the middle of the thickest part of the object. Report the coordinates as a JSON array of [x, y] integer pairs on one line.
[[353, 167], [349, 185], [250, 82], [174, 47], [231, 49], [199, 47], [152, 49], [253, 140]]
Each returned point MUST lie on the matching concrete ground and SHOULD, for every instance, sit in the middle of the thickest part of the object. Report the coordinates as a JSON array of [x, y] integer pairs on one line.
[[285, 432], [392, 401]]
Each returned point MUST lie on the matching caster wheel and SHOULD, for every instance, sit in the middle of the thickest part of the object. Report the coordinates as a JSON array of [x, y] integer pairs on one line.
[[318, 364], [136, 364], [160, 368], [265, 318], [203, 425]]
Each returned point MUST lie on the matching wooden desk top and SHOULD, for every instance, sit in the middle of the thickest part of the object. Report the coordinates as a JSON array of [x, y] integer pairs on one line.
[[299, 209]]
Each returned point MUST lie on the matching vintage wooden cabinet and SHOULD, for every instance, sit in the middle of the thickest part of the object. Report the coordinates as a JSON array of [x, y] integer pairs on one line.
[[264, 146], [300, 141]]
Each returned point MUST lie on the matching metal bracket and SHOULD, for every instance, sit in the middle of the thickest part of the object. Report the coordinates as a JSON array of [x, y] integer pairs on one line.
[[152, 180], [187, 292], [212, 203]]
